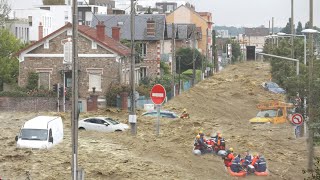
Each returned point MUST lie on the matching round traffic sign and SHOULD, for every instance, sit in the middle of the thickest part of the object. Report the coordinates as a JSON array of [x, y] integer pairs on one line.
[[297, 119], [158, 94]]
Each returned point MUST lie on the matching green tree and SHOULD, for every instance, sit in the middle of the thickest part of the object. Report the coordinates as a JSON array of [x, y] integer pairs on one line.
[[299, 28], [53, 2], [9, 66], [287, 29], [236, 50], [186, 61], [5, 9]]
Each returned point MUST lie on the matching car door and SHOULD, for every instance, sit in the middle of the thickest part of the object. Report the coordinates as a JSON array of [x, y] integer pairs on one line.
[[107, 126], [99, 125]]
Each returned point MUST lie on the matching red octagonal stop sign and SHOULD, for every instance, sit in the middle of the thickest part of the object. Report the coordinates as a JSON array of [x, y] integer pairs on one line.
[[158, 94]]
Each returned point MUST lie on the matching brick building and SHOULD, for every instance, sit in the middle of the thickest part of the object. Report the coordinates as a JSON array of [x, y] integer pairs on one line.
[[100, 59]]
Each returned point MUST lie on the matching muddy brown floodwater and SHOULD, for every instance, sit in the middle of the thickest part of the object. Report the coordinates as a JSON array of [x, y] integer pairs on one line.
[[224, 103]]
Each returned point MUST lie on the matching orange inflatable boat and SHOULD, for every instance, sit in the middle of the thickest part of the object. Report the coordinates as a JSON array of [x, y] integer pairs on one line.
[[237, 174]]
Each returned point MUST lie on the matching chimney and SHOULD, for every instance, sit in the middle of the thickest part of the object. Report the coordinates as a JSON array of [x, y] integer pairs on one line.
[[101, 30], [40, 31], [116, 33]]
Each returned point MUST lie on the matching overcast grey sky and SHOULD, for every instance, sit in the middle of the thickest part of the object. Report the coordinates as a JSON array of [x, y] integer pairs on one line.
[[249, 13], [258, 12]]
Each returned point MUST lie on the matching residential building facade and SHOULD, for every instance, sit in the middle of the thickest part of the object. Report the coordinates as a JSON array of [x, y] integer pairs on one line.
[[255, 37], [203, 22], [99, 60]]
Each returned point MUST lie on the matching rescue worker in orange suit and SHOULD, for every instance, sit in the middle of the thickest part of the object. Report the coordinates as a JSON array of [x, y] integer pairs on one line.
[[254, 159], [184, 114], [219, 143], [228, 159]]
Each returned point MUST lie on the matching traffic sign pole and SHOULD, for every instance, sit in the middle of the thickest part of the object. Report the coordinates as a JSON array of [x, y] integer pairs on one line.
[[158, 120], [158, 95]]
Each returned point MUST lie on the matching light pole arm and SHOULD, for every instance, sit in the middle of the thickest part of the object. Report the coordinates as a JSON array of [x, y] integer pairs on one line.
[[281, 57]]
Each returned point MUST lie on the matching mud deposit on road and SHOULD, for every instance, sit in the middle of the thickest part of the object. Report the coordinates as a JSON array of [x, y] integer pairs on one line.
[[224, 102]]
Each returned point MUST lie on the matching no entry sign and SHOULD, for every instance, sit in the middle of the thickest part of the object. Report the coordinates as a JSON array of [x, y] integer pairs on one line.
[[158, 94], [297, 119]]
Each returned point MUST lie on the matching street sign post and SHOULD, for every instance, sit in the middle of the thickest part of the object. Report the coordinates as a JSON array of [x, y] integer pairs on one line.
[[297, 119], [158, 95]]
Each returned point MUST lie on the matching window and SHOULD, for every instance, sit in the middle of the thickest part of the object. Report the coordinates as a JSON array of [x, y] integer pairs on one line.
[[93, 45], [143, 49], [46, 44], [44, 78], [151, 28], [143, 72], [30, 20], [67, 48], [280, 113], [95, 79], [66, 15]]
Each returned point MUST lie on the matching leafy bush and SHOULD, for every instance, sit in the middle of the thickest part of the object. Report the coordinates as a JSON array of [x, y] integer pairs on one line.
[[144, 90], [13, 94], [113, 91], [316, 173], [32, 81]]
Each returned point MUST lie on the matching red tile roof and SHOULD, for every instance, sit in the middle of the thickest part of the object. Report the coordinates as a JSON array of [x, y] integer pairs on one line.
[[91, 33]]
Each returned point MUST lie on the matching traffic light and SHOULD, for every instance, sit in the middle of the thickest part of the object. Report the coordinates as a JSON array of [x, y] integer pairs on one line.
[[55, 88], [61, 91]]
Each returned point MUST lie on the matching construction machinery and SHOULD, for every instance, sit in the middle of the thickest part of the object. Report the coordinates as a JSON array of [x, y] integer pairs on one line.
[[273, 111]]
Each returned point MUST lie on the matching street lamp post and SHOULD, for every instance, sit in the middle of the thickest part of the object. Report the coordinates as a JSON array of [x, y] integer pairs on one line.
[[310, 140]]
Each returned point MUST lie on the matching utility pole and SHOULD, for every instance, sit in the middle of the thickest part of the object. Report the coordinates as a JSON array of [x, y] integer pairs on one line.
[[173, 44], [75, 113], [179, 75], [214, 51], [194, 56], [207, 53], [311, 100], [292, 31], [133, 116]]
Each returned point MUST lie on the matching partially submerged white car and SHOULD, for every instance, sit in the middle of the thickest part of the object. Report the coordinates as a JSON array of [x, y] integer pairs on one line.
[[103, 124]]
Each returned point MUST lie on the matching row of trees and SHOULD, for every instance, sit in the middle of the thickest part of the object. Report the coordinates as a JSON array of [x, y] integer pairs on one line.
[[284, 73]]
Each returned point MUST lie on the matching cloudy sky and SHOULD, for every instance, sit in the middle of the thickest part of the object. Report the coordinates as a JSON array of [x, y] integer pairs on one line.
[[249, 13], [257, 12]]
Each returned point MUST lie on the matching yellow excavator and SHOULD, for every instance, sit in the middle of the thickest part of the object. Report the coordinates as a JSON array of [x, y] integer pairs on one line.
[[272, 111]]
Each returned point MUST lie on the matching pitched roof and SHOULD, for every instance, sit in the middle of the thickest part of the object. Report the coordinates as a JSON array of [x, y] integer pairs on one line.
[[191, 10], [108, 42], [261, 31], [140, 25]]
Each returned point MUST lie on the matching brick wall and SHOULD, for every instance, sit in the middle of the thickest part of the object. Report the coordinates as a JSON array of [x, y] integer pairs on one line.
[[34, 104], [152, 59], [109, 66]]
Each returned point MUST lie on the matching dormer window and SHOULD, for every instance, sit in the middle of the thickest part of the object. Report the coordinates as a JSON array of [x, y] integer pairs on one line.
[[151, 26]]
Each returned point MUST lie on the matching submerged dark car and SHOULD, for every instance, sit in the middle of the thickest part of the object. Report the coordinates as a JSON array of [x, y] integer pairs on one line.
[[273, 87], [164, 114]]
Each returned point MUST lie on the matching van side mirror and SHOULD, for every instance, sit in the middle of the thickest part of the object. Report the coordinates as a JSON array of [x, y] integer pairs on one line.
[[16, 138], [106, 124], [51, 139], [266, 115]]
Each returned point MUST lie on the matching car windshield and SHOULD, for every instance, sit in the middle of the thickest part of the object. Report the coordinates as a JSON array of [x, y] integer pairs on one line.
[[265, 113], [111, 121], [34, 134], [273, 85]]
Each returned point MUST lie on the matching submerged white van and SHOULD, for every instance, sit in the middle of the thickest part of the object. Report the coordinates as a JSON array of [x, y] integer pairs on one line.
[[41, 132]]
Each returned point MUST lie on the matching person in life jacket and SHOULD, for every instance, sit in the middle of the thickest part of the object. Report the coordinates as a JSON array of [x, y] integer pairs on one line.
[[246, 160], [200, 144], [219, 143], [229, 157], [260, 165], [235, 164], [254, 159], [184, 114], [203, 139]]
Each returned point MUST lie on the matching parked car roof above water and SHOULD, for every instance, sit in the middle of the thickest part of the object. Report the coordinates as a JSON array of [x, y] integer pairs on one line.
[[273, 87], [163, 113]]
